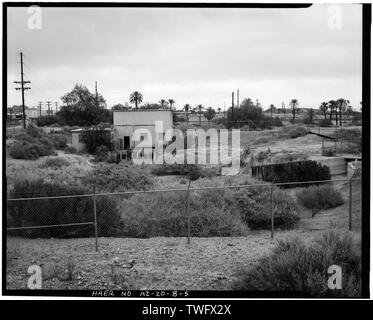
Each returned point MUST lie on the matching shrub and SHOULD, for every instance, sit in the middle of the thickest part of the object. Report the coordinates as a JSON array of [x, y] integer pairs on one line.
[[34, 131], [103, 154], [23, 150], [118, 177], [31, 146], [165, 214], [292, 132], [70, 149], [319, 198], [191, 170], [255, 208], [59, 211], [308, 170], [325, 123], [214, 212], [297, 132], [95, 138], [295, 266], [46, 120], [55, 163], [58, 140], [348, 134]]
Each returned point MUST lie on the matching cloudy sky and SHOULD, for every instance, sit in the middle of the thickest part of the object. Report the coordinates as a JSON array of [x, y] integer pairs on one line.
[[195, 56]]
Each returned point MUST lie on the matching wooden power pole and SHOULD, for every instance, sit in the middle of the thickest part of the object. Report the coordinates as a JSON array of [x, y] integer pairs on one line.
[[22, 88], [96, 94], [232, 107], [39, 105], [49, 103]]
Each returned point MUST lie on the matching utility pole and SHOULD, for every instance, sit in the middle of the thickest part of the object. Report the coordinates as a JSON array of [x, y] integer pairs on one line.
[[39, 105], [232, 107], [22, 88], [49, 103], [238, 103], [96, 94]]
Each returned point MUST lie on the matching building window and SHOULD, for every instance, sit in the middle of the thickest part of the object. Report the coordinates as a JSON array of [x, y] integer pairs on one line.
[[80, 138]]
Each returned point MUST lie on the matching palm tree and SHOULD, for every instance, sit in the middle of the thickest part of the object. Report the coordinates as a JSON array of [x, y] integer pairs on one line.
[[324, 108], [272, 108], [162, 102], [200, 108], [186, 109], [171, 102], [294, 104], [332, 107], [342, 103], [210, 114], [136, 98]]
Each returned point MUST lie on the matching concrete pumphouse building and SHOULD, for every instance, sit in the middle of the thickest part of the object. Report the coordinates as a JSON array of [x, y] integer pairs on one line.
[[127, 121]]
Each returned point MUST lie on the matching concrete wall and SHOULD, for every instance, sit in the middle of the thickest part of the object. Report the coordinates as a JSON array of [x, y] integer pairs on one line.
[[78, 145], [127, 122]]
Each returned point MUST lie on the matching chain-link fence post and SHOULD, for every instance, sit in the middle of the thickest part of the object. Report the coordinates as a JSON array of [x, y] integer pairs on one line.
[[272, 214], [188, 209], [350, 205], [95, 217]]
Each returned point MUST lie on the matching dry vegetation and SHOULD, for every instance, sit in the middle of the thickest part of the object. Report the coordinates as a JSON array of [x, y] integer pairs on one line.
[[169, 263]]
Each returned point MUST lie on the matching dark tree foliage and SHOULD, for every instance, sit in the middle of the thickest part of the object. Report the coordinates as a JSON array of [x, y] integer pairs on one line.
[[59, 211], [296, 172], [83, 108], [95, 138], [250, 114]]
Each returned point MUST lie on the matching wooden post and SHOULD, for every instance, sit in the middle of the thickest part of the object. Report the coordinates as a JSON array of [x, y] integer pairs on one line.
[[188, 209], [95, 217]]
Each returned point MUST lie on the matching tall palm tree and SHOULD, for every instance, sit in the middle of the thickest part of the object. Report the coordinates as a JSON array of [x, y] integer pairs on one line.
[[200, 108], [272, 108], [210, 114], [294, 105], [136, 98], [342, 104], [332, 107], [162, 102], [171, 102], [186, 109], [324, 108]]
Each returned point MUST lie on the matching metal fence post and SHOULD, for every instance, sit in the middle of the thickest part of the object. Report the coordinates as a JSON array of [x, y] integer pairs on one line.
[[188, 209], [272, 213], [350, 206], [95, 217]]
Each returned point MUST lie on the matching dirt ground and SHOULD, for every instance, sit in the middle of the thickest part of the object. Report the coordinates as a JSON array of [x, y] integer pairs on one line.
[[153, 264]]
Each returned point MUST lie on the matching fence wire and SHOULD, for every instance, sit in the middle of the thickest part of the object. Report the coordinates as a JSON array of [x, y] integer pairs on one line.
[[66, 231]]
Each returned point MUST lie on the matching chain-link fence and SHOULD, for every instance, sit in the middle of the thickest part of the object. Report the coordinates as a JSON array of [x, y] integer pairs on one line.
[[41, 229], [337, 147]]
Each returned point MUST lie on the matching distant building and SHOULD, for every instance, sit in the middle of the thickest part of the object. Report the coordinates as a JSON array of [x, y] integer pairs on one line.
[[127, 121], [32, 113]]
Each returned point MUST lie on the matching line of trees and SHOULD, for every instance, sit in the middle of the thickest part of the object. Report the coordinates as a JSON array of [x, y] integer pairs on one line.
[[336, 108]]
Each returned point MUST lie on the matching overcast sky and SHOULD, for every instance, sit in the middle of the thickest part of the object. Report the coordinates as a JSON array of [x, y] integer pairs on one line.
[[195, 56]]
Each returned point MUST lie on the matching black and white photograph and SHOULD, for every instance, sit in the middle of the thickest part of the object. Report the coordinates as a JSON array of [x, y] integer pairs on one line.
[[190, 150]]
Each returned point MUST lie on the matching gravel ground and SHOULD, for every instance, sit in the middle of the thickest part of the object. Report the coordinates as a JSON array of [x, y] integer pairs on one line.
[[123, 263]]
